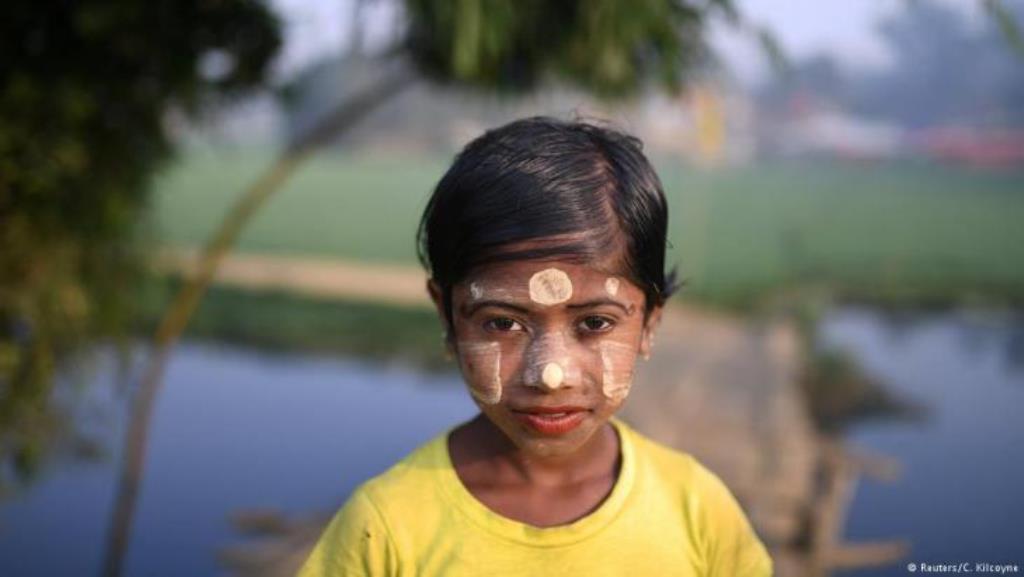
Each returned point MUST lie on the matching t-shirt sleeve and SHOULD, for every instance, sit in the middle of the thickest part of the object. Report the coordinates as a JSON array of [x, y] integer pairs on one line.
[[731, 547], [355, 543]]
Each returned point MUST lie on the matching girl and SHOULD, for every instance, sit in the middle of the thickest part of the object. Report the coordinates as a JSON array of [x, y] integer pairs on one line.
[[545, 244]]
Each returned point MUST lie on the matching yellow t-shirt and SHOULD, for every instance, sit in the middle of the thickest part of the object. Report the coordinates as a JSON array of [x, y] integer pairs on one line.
[[667, 515]]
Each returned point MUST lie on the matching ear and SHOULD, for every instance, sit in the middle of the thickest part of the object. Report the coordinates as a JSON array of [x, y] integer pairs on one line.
[[437, 297], [647, 336]]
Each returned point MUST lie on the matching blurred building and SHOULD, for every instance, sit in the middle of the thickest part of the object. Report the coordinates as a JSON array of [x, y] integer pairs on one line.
[[810, 125]]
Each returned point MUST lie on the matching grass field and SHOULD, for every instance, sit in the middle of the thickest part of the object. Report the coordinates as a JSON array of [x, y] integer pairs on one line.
[[891, 234]]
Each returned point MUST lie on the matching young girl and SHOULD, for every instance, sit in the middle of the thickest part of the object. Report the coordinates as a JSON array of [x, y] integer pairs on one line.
[[545, 242]]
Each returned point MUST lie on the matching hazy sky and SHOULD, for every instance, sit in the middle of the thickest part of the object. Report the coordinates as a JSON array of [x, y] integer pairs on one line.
[[843, 28]]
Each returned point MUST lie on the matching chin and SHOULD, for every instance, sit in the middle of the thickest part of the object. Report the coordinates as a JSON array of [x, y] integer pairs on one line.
[[545, 445]]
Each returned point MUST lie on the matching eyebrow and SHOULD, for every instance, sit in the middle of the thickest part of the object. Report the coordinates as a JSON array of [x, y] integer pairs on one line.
[[470, 309], [599, 302]]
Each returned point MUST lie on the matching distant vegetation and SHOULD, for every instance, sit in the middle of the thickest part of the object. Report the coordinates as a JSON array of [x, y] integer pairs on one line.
[[897, 235]]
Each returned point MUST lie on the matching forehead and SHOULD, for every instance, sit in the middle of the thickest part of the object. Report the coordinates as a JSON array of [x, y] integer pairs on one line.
[[525, 278]]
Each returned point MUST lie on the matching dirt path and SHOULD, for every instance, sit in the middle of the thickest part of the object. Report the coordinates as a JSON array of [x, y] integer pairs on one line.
[[718, 387], [309, 276]]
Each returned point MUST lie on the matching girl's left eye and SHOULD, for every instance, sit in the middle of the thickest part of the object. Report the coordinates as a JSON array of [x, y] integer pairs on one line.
[[595, 324], [503, 324]]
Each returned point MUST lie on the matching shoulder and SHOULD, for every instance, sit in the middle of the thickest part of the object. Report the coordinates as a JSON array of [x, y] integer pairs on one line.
[[667, 465], [675, 468], [361, 538], [356, 542], [410, 477], [723, 534]]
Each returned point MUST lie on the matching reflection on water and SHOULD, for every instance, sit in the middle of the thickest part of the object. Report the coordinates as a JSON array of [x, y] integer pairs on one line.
[[960, 498], [233, 430]]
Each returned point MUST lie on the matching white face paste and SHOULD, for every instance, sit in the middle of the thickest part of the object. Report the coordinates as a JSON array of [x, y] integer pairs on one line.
[[476, 291], [552, 376], [611, 286], [617, 360], [550, 287], [548, 363], [481, 365]]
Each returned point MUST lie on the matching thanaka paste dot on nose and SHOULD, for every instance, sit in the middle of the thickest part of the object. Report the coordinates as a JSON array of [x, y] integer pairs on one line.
[[617, 361], [485, 378], [611, 286], [552, 376], [550, 287], [547, 350]]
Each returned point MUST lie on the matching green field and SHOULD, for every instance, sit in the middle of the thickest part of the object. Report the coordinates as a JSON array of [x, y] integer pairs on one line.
[[893, 234]]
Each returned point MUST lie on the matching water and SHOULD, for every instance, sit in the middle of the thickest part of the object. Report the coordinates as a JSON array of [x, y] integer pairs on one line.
[[961, 496], [234, 429]]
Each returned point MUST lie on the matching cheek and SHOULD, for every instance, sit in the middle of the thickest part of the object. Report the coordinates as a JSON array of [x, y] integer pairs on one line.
[[617, 362], [481, 366]]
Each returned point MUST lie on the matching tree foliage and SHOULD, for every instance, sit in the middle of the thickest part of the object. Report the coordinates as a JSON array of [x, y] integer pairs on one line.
[[85, 87], [610, 47]]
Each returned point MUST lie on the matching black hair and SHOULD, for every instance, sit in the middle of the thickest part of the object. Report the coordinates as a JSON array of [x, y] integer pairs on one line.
[[542, 188]]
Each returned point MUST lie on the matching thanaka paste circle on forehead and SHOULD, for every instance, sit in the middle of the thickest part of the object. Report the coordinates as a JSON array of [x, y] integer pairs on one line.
[[476, 291], [611, 286], [550, 287]]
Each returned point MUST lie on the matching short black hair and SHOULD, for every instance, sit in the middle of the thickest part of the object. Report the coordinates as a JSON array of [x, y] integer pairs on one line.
[[543, 188]]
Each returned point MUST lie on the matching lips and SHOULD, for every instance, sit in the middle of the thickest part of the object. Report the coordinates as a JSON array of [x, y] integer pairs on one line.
[[551, 410], [551, 420]]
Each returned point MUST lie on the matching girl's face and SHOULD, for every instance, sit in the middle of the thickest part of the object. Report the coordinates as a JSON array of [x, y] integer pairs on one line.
[[548, 348]]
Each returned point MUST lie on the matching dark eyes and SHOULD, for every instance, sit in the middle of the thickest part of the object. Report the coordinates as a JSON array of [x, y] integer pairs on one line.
[[590, 324], [596, 324], [503, 325]]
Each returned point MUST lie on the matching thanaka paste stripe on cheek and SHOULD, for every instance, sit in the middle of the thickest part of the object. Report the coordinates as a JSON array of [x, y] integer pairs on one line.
[[484, 378], [617, 360]]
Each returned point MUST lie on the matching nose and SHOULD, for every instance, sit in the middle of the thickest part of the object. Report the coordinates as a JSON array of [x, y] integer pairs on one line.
[[552, 376], [549, 366]]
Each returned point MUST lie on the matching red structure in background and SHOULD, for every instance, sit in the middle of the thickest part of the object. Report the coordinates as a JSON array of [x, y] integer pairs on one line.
[[998, 148]]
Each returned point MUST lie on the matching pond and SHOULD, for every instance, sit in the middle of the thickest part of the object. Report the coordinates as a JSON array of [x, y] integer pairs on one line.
[[961, 495], [234, 429]]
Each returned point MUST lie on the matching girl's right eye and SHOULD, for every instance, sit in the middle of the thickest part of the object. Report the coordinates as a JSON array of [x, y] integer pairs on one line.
[[503, 325]]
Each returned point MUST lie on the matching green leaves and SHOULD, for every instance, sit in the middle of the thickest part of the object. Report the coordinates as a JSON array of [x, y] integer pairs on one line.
[[610, 47], [84, 89], [1008, 26]]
